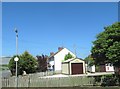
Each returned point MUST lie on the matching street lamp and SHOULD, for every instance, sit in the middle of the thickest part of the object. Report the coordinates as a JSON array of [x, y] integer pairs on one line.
[[16, 58]]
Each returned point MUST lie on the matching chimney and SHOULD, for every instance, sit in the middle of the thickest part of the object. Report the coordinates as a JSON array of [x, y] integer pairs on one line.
[[60, 48], [51, 53]]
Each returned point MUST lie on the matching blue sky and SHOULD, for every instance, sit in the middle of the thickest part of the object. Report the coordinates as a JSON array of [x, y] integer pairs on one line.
[[43, 27]]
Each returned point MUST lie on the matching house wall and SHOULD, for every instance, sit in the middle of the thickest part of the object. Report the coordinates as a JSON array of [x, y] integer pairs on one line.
[[59, 57], [109, 67], [65, 68], [51, 62], [5, 60], [91, 68]]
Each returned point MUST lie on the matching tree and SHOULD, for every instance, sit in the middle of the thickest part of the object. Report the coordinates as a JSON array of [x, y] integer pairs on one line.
[[89, 60], [107, 45], [12, 65], [68, 56], [42, 63], [29, 63], [26, 63]]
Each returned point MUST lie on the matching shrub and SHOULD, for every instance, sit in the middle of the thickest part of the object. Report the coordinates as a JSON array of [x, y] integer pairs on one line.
[[109, 80]]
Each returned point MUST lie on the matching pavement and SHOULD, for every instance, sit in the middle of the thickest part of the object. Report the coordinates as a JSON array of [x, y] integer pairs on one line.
[[7, 73], [88, 74]]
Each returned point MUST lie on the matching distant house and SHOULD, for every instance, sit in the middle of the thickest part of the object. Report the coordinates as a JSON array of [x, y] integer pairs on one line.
[[5, 60], [108, 67], [90, 68], [5, 73], [73, 66], [55, 59]]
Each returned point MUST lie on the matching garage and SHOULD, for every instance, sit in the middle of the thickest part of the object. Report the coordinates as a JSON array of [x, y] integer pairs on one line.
[[77, 68], [73, 66]]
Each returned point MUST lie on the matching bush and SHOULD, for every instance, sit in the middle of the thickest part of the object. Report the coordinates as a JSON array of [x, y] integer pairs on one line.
[[12, 65], [109, 80], [26, 63]]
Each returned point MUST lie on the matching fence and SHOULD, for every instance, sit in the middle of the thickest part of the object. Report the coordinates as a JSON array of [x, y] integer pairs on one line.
[[35, 81]]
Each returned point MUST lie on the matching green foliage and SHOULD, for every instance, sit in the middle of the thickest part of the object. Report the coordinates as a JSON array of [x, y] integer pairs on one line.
[[107, 45], [97, 80], [26, 63], [97, 68], [106, 80], [109, 80], [89, 60], [29, 63], [114, 53], [68, 56], [12, 65]]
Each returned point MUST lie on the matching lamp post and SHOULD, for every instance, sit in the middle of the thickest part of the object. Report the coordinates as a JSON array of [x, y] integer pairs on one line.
[[16, 58]]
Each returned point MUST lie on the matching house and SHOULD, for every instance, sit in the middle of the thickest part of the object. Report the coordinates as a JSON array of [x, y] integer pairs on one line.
[[108, 67], [5, 73], [90, 69], [73, 66], [5, 60], [55, 59]]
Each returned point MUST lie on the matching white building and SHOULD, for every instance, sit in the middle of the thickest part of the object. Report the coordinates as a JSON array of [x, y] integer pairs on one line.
[[90, 68], [55, 59], [109, 67], [5, 60]]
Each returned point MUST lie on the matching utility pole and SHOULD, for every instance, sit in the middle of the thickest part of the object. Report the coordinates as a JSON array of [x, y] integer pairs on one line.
[[16, 31], [16, 58], [74, 46]]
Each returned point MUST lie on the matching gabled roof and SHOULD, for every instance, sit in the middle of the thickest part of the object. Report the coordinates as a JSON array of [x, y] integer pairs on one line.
[[72, 60], [55, 53], [68, 60]]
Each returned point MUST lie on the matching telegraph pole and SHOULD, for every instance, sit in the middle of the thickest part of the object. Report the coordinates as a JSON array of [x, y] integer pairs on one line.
[[16, 58], [74, 46]]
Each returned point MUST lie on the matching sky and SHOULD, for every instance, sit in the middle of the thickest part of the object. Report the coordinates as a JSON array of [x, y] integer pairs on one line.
[[45, 26]]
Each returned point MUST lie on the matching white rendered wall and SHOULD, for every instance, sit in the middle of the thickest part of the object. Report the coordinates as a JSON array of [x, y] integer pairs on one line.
[[59, 57], [109, 68], [65, 69], [91, 68], [51, 63]]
